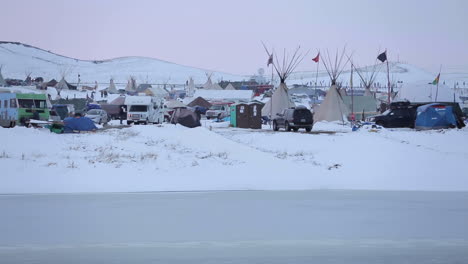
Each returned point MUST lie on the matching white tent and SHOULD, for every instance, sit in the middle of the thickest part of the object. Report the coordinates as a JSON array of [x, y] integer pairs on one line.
[[174, 104], [278, 102], [2, 81], [209, 84], [190, 87], [131, 85], [332, 108], [280, 98], [229, 87], [62, 85], [425, 92], [156, 91], [112, 89], [216, 86]]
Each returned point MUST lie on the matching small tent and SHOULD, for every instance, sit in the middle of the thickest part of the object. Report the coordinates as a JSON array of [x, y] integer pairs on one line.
[[230, 87], [200, 101], [112, 89], [74, 125], [62, 85], [435, 116]]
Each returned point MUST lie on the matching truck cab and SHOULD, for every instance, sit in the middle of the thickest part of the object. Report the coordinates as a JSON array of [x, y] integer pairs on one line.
[[144, 110]]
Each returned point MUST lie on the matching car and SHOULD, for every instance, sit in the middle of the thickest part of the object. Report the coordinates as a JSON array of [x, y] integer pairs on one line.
[[98, 116], [218, 111], [294, 118]]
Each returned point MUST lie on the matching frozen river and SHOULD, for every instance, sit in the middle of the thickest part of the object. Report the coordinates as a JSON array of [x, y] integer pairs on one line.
[[236, 227]]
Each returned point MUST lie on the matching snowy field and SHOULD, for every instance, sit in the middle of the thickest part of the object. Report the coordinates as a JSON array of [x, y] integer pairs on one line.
[[215, 157], [330, 227]]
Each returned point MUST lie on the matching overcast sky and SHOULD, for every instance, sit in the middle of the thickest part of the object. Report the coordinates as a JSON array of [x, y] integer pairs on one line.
[[226, 35]]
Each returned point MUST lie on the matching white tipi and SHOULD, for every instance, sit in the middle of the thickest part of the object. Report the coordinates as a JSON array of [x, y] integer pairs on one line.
[[209, 84], [112, 89], [368, 76], [216, 86], [230, 87], [62, 85], [131, 85], [280, 99], [2, 81], [333, 108], [190, 87]]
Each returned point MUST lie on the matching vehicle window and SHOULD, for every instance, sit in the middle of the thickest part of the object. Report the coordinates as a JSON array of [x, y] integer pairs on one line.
[[40, 103], [386, 112], [217, 107], [13, 103], [93, 112], [26, 103], [138, 108], [400, 112], [5, 104]]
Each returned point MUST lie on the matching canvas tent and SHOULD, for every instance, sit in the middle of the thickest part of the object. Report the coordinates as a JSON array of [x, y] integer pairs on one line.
[[229, 87], [62, 85], [190, 87], [156, 91], [280, 98], [112, 89], [209, 84], [363, 106], [424, 92], [333, 108], [2, 81]]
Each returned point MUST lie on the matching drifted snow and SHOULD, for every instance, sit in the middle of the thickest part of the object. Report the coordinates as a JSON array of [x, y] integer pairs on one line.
[[213, 157]]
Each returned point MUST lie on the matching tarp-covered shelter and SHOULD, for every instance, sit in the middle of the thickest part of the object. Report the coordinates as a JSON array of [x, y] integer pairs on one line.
[[73, 124], [185, 117], [435, 116]]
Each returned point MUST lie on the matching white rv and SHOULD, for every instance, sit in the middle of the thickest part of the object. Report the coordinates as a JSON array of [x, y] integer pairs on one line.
[[144, 109]]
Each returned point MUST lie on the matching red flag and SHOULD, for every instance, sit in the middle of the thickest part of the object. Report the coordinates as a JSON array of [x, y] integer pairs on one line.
[[317, 58]]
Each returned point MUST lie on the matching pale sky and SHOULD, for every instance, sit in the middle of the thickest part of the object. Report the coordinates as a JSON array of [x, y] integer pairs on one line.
[[226, 35]]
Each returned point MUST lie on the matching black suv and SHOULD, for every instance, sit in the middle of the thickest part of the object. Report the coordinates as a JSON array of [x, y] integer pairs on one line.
[[294, 118]]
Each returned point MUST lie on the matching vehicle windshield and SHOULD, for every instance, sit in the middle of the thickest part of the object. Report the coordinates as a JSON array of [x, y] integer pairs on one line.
[[93, 112], [138, 108], [386, 112], [30, 103]]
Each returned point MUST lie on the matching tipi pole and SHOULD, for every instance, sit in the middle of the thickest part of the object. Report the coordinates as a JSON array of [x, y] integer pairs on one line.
[[388, 84], [271, 99], [437, 89], [352, 94], [316, 79]]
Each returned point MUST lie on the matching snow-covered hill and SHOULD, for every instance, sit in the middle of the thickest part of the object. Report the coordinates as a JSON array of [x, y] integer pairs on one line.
[[18, 59]]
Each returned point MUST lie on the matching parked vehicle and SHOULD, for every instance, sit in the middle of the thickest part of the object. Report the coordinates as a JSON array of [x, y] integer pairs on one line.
[[19, 108], [403, 114], [218, 111], [113, 111], [294, 118], [98, 116], [144, 109]]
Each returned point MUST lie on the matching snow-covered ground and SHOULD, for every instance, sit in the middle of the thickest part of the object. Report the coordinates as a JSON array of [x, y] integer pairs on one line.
[[215, 157]]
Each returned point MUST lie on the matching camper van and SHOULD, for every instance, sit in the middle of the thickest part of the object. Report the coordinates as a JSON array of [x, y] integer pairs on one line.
[[19, 108], [144, 109]]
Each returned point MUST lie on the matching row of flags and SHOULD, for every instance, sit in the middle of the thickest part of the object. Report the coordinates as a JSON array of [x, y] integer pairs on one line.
[[382, 57]]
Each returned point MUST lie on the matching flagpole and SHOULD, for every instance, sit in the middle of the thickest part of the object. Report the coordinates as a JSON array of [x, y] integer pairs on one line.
[[352, 94], [437, 89], [316, 79]]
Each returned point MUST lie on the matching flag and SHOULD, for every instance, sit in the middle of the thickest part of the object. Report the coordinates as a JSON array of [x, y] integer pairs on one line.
[[382, 57], [270, 60], [436, 80], [317, 58]]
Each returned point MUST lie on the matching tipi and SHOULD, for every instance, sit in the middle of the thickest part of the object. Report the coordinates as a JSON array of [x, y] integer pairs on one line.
[[190, 87], [62, 85], [332, 108], [216, 86], [368, 76], [112, 89], [209, 84], [2, 81], [131, 85], [280, 98], [230, 87]]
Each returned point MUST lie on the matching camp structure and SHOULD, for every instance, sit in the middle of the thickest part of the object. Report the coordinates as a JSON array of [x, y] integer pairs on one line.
[[368, 76], [333, 108], [62, 85], [199, 101], [230, 87], [2, 81], [156, 91], [280, 99], [435, 116], [363, 106], [112, 89], [131, 85], [246, 115], [225, 95], [209, 84], [190, 87], [172, 104], [185, 117]]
